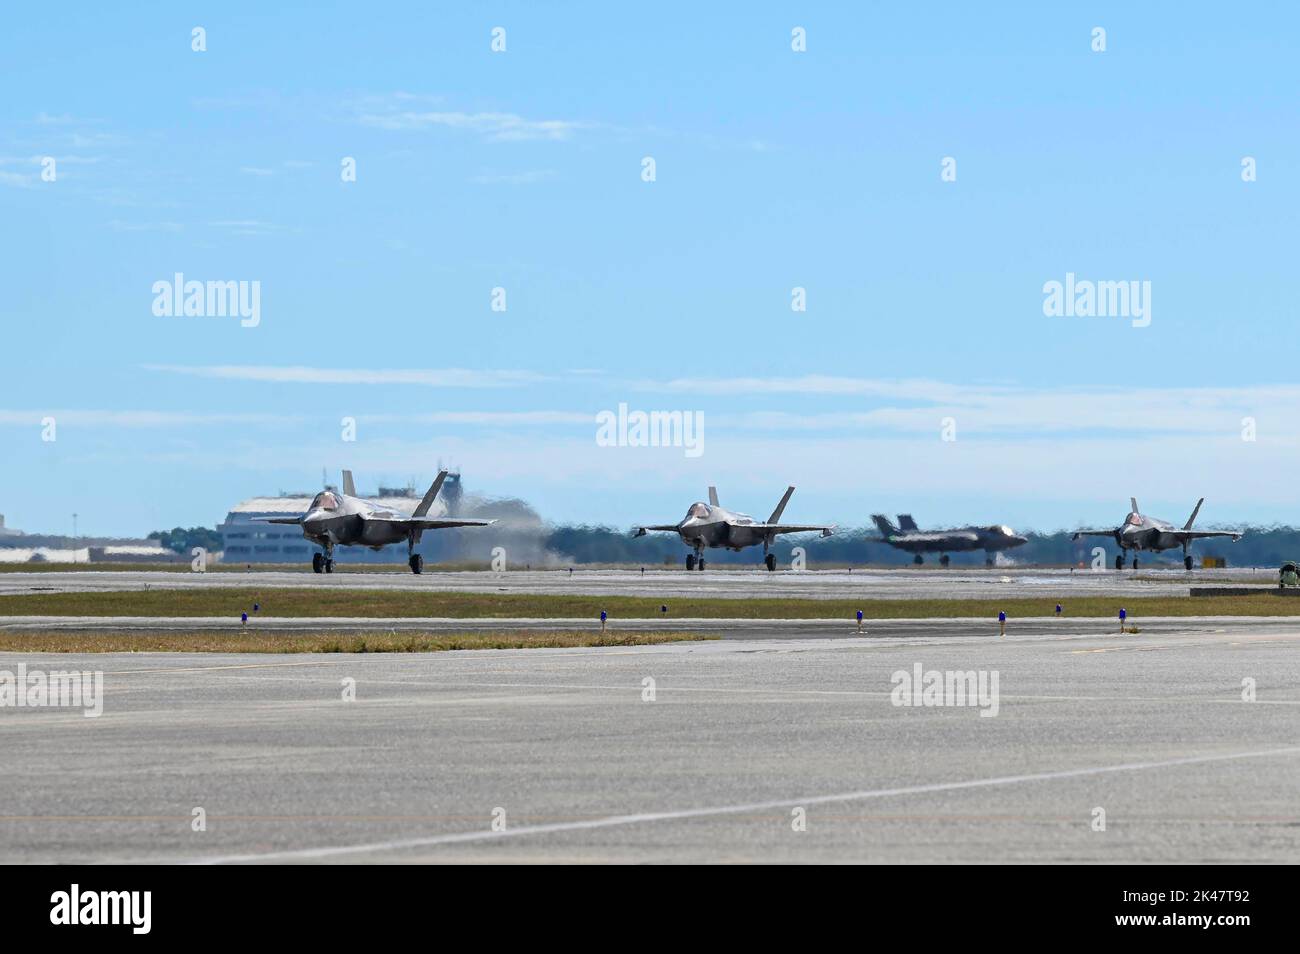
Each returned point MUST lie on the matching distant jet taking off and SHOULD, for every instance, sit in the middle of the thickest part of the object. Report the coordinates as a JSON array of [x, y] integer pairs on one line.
[[1147, 533], [908, 536], [344, 519], [709, 525]]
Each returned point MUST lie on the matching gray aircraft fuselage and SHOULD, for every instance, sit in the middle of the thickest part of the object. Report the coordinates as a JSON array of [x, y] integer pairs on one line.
[[711, 526], [335, 518], [717, 527], [343, 519], [1140, 532], [957, 540]]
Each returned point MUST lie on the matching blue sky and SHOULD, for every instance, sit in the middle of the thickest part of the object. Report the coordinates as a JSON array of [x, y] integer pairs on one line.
[[774, 169]]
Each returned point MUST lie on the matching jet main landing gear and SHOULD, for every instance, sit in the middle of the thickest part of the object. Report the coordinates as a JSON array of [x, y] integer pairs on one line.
[[1187, 562], [944, 560], [695, 561], [1119, 561], [413, 559], [770, 561], [918, 559]]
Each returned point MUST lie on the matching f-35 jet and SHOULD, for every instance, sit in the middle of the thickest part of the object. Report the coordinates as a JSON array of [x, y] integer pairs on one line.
[[710, 525], [1139, 532], [344, 519], [908, 536]]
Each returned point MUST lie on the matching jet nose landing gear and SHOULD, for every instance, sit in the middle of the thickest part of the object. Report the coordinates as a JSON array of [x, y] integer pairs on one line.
[[417, 563]]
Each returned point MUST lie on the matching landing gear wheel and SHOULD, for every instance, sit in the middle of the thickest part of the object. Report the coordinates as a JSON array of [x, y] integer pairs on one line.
[[1119, 561], [417, 563], [1187, 562], [770, 561], [944, 561], [690, 562], [1135, 562], [700, 565], [329, 566], [988, 561], [317, 563], [918, 559]]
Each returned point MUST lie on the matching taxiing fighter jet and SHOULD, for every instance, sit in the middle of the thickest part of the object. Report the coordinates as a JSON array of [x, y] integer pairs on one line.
[[1147, 533], [344, 519], [709, 525], [908, 536]]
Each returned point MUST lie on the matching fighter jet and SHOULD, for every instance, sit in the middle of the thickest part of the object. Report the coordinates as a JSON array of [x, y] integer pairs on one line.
[[710, 525], [1147, 533], [344, 519], [908, 536]]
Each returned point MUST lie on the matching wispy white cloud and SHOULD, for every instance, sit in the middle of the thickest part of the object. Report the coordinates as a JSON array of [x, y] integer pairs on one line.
[[247, 226], [513, 178], [495, 127], [439, 378], [256, 171], [487, 418], [119, 226], [74, 417]]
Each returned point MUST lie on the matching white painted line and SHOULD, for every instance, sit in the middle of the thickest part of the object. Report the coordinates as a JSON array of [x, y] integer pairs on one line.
[[304, 854]]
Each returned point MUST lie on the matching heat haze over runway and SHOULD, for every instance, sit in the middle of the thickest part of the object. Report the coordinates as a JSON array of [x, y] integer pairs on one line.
[[746, 583]]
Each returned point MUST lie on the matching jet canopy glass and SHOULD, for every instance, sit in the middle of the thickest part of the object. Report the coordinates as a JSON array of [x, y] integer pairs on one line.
[[325, 501], [698, 510]]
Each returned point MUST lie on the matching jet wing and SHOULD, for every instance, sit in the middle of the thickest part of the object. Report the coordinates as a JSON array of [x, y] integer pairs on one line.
[[1199, 534], [1093, 533], [774, 528], [293, 520], [432, 523], [666, 527]]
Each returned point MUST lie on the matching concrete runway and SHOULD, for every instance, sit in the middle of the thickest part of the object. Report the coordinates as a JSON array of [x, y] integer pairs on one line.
[[745, 629], [741, 732], [927, 583]]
